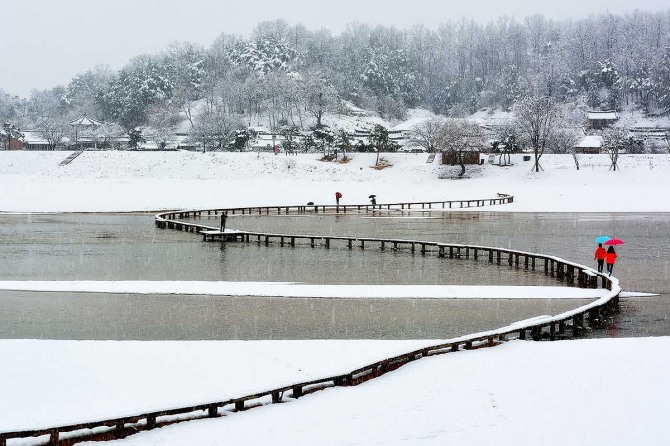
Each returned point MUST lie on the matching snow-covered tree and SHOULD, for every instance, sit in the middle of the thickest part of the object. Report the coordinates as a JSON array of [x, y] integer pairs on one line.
[[460, 136], [9, 107], [53, 129], [140, 84], [216, 130], [662, 81], [263, 56], [537, 118], [615, 139], [85, 90], [380, 141], [641, 85], [507, 142], [135, 138], [388, 73], [163, 119], [185, 66], [323, 139], [427, 134], [343, 142], [8, 133], [319, 95], [289, 132]]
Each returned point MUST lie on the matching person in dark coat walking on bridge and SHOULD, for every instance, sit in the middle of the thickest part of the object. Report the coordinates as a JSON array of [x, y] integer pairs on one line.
[[599, 255], [224, 217]]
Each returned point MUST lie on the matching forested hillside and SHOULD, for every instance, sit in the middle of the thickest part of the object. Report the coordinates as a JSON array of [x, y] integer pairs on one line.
[[291, 75]]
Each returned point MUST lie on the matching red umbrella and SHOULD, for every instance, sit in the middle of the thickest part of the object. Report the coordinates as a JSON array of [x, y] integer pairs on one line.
[[614, 241]]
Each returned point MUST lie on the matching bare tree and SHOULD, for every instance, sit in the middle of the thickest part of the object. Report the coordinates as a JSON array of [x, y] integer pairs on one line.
[[53, 130], [106, 133], [426, 134], [563, 140], [216, 130], [614, 139], [460, 136], [162, 123], [507, 143], [320, 96], [537, 118]]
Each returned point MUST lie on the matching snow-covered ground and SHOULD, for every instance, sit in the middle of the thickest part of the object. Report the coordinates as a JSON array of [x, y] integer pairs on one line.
[[521, 393], [47, 383], [596, 392], [139, 181], [280, 289]]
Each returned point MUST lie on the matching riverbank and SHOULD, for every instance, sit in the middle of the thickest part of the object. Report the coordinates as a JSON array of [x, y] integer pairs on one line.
[[123, 181]]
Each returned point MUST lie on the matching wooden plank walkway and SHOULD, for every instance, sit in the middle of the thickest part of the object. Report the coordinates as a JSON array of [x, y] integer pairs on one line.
[[550, 328]]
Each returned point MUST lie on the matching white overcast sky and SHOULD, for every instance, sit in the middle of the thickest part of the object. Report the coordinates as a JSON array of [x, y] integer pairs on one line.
[[44, 43]]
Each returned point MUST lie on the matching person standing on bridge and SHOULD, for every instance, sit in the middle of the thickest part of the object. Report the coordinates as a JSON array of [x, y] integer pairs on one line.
[[610, 258], [224, 217], [599, 255], [338, 195]]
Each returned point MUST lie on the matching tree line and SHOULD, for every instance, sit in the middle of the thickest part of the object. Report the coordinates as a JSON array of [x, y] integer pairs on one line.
[[291, 77]]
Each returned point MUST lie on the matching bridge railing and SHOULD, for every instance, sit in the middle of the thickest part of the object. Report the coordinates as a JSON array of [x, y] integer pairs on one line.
[[341, 208]]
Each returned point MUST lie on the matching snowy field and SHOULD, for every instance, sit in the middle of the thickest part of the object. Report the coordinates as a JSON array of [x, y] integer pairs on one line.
[[596, 392], [521, 393], [64, 382], [569, 392], [120, 181]]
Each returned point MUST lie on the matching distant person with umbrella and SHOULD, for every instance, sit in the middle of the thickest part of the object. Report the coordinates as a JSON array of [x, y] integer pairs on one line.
[[224, 217], [599, 255], [610, 258], [373, 199], [338, 195]]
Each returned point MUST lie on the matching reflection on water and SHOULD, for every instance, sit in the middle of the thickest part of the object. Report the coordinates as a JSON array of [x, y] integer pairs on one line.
[[128, 247]]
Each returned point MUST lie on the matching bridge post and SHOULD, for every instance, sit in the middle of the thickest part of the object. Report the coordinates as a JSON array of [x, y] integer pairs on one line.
[[53, 437]]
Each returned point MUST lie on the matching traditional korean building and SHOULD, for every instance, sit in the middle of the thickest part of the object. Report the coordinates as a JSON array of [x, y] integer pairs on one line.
[[598, 120], [590, 144]]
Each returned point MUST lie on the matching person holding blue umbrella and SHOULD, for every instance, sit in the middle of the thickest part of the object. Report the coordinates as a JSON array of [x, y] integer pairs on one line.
[[600, 253]]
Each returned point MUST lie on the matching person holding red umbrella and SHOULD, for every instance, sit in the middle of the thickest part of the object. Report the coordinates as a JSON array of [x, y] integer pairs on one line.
[[610, 258], [610, 255]]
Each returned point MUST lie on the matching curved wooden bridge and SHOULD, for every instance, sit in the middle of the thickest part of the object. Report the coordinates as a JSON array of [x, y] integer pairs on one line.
[[569, 323]]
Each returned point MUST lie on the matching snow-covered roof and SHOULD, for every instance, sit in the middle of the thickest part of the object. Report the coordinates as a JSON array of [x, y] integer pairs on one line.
[[33, 137], [85, 121], [590, 141], [608, 115]]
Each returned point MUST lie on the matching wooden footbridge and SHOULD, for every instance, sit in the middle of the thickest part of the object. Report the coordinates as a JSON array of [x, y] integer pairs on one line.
[[570, 323]]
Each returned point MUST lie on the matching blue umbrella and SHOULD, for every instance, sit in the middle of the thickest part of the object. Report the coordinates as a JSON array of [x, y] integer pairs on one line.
[[602, 238]]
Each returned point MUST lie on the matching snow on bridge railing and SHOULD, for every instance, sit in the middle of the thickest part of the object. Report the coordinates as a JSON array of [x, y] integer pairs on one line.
[[186, 213]]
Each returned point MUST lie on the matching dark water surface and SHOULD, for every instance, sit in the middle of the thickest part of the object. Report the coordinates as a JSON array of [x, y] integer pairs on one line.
[[128, 247]]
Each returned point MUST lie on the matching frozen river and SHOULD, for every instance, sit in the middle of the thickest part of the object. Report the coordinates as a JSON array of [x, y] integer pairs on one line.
[[128, 247]]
